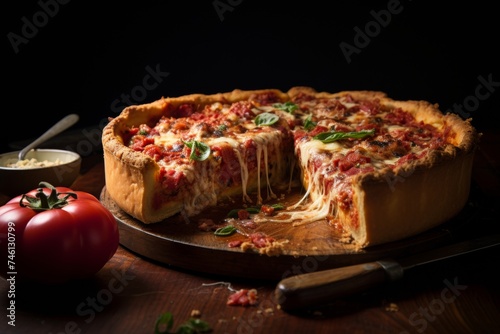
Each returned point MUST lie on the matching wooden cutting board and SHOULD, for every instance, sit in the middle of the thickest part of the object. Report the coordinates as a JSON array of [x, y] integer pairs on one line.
[[180, 243]]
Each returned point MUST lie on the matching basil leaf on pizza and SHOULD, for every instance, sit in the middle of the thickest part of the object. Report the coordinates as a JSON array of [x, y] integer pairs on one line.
[[266, 118], [309, 124], [331, 136], [199, 150], [289, 107]]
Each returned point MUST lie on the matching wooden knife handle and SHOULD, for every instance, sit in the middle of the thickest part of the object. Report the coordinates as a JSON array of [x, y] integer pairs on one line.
[[319, 288]]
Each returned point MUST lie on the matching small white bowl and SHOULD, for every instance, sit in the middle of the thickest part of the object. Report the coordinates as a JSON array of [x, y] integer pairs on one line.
[[19, 180]]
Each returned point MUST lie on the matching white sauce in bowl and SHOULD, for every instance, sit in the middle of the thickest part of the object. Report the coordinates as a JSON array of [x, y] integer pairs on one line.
[[31, 163]]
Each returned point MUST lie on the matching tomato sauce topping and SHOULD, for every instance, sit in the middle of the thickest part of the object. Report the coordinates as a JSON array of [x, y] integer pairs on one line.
[[230, 169]]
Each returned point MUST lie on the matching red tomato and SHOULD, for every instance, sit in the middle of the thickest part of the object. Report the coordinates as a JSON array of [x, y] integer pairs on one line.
[[55, 234]]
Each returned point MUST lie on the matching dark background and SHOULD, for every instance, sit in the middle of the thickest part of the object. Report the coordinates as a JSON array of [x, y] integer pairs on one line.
[[85, 57]]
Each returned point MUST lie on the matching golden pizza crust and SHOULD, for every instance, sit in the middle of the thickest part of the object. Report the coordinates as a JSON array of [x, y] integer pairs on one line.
[[392, 205], [130, 176]]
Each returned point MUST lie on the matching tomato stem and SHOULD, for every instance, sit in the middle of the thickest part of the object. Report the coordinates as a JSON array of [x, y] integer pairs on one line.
[[42, 202]]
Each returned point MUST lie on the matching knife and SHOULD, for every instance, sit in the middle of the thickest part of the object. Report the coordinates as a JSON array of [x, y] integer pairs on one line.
[[319, 288]]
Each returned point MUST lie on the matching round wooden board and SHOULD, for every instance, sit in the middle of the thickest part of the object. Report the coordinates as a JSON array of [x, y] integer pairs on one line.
[[311, 247]]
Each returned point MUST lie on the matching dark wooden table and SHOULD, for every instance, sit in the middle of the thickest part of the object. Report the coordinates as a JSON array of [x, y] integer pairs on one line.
[[460, 295]]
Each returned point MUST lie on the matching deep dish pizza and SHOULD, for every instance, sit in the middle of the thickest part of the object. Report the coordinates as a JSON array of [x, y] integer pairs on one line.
[[381, 169]]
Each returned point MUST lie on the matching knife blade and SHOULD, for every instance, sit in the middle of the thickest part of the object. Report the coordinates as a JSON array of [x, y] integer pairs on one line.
[[321, 287]]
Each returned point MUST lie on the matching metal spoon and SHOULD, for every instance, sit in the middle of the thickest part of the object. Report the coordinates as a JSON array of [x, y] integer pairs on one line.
[[57, 128]]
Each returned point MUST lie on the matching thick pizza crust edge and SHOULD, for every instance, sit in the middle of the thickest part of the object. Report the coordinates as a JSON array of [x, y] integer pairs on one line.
[[403, 205], [130, 176]]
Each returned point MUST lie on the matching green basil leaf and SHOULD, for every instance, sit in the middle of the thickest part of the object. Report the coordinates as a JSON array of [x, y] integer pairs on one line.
[[234, 213], [289, 107], [194, 326], [167, 320], [253, 210], [191, 326], [278, 206], [225, 231], [266, 118], [331, 136], [199, 150], [309, 124]]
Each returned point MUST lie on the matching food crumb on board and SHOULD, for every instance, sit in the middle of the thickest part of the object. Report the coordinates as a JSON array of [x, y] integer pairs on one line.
[[263, 244], [267, 311], [392, 307], [243, 297]]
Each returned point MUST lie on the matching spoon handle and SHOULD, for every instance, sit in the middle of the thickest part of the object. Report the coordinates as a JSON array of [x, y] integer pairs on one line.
[[57, 128]]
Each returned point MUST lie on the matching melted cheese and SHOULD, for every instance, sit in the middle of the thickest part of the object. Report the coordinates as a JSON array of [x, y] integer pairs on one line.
[[206, 193], [316, 204], [166, 139], [235, 144], [263, 141]]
